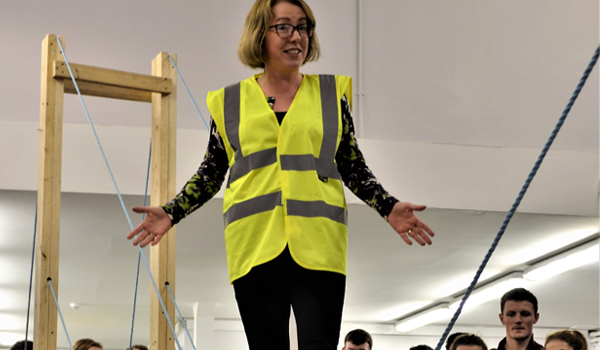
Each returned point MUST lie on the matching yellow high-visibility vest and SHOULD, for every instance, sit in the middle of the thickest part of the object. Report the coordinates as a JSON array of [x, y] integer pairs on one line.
[[283, 186]]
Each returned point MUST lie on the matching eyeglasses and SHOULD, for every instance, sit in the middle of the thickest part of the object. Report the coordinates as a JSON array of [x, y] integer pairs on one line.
[[285, 31]]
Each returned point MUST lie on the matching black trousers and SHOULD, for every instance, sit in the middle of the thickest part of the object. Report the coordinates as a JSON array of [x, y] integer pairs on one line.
[[264, 297]]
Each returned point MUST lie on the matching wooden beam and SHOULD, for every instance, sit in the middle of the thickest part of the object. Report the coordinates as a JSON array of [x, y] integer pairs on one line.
[[49, 180], [101, 90], [113, 77], [164, 145]]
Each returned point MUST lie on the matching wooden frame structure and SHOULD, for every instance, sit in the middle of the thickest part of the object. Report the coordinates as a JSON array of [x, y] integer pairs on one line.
[[160, 89]]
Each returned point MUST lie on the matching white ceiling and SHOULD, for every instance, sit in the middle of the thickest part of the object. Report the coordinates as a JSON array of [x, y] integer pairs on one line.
[[458, 72], [485, 74]]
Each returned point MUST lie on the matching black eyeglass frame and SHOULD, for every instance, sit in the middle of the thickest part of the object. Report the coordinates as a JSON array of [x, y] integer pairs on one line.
[[309, 30]]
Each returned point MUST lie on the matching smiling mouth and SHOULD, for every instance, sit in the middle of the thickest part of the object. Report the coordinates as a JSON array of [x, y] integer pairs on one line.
[[293, 51]]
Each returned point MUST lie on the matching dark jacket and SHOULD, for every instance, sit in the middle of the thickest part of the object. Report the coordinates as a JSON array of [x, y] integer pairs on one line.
[[531, 346]]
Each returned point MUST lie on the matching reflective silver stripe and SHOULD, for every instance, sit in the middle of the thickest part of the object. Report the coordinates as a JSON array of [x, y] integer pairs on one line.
[[317, 209], [252, 206], [300, 162], [244, 165], [231, 113], [324, 165], [329, 107]]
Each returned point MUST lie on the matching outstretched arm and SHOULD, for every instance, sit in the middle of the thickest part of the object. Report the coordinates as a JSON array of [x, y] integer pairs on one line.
[[407, 224], [361, 181], [205, 183], [154, 226]]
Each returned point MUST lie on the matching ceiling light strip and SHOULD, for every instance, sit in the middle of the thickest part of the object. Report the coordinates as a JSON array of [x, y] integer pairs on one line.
[[579, 256]]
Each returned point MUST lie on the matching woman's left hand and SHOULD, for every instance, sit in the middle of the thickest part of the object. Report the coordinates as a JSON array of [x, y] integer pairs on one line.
[[407, 224]]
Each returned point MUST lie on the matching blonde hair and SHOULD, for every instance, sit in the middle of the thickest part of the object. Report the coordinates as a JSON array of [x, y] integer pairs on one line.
[[251, 50], [574, 338], [85, 344]]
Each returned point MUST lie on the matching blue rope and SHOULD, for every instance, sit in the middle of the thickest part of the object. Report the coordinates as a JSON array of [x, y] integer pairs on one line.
[[520, 196], [180, 316], [94, 130], [162, 304], [137, 275], [59, 313], [208, 129], [118, 193], [189, 93], [31, 273]]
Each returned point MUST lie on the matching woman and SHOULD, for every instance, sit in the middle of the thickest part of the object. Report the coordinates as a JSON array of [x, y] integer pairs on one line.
[[566, 340], [288, 140]]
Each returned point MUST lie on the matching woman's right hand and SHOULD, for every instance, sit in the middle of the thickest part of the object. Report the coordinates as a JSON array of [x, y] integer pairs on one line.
[[155, 225]]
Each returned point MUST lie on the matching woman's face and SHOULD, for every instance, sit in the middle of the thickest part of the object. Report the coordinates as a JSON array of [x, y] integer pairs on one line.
[[285, 56], [557, 344]]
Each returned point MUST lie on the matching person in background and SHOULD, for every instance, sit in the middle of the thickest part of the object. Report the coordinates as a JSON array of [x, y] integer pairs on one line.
[[421, 347], [566, 339], [139, 347], [518, 314], [468, 341], [358, 339], [87, 344], [22, 345], [451, 339]]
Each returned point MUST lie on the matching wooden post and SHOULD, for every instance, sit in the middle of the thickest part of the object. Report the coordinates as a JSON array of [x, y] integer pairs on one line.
[[49, 183], [162, 256], [161, 90]]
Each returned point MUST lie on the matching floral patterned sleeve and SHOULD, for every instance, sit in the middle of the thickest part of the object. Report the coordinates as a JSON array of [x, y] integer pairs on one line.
[[354, 171], [205, 183]]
